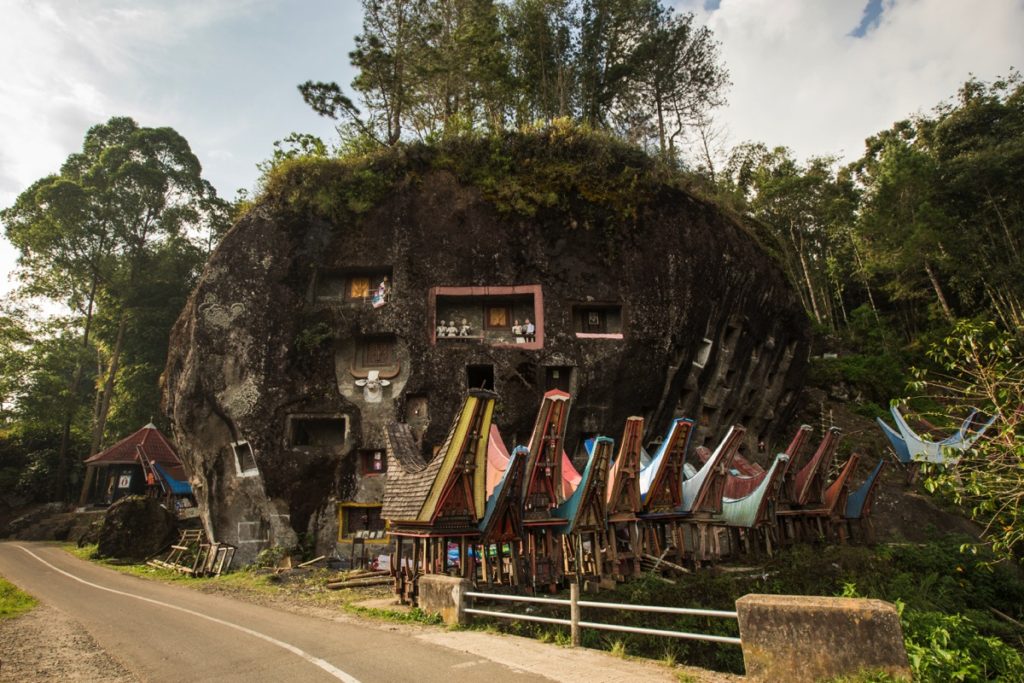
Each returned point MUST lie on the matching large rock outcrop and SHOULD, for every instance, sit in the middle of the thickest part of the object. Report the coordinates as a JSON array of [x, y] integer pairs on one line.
[[136, 528], [647, 301]]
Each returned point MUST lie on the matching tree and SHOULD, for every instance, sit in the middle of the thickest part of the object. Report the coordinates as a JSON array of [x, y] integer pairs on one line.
[[942, 218], [809, 210], [981, 366], [385, 60], [87, 234], [435, 67], [540, 42]]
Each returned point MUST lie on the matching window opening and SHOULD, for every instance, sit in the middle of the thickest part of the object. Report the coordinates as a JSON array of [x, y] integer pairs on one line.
[[706, 415], [357, 285], [580, 454], [416, 408], [480, 377], [358, 288]]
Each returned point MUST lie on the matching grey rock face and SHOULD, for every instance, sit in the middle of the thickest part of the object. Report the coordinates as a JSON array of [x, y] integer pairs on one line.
[[677, 311]]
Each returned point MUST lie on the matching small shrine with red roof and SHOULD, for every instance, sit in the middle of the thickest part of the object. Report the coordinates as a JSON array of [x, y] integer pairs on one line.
[[143, 463]]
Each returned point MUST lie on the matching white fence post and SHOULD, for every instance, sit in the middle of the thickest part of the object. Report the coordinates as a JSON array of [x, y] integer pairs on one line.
[[574, 613]]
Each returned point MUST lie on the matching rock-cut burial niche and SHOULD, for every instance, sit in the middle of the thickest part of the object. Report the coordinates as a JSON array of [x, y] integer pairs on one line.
[[316, 431], [353, 285], [376, 353], [597, 321], [491, 315], [244, 459], [480, 377]]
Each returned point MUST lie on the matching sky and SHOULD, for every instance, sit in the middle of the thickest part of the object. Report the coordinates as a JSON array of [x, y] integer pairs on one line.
[[817, 76]]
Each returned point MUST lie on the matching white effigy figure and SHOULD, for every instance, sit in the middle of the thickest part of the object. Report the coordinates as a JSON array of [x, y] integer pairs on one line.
[[373, 386]]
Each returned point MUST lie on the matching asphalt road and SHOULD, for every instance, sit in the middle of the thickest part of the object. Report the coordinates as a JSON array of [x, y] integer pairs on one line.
[[171, 633]]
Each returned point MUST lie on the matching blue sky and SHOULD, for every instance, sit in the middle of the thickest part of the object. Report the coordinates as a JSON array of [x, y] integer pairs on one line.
[[815, 75]]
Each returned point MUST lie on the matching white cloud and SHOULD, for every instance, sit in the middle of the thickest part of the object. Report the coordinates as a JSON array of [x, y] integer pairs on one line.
[[801, 80], [70, 65], [223, 72]]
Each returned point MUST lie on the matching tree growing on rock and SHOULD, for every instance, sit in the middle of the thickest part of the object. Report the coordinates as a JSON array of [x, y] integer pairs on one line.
[[434, 67]]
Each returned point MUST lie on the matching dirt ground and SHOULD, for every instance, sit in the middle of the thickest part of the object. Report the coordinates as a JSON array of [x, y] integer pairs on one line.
[[47, 645]]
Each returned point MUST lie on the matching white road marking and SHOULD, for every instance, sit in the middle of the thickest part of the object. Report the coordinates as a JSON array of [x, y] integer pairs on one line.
[[316, 661], [466, 665]]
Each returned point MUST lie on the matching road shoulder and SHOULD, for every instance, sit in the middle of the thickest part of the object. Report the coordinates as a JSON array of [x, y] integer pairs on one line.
[[48, 645]]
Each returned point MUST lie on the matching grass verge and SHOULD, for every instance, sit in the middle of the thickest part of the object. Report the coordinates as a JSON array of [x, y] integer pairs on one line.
[[14, 601], [305, 587]]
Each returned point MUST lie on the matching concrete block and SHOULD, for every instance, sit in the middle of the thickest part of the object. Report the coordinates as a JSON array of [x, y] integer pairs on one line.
[[804, 638], [444, 595]]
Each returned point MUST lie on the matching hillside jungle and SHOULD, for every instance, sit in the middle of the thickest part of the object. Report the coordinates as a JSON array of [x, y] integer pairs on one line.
[[907, 261]]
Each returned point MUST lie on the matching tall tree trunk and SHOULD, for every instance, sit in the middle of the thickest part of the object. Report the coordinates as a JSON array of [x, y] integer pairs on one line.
[[798, 246], [939, 294], [1010, 242], [661, 123], [108, 385], [60, 488]]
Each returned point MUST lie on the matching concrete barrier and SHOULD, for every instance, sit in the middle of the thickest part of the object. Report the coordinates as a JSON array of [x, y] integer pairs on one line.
[[801, 638], [444, 595]]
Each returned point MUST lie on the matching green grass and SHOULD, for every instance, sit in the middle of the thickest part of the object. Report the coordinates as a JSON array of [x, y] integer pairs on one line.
[[13, 601], [263, 585]]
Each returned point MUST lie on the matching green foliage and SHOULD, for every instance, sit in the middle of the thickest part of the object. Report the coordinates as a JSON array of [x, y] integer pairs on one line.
[[270, 557], [562, 172], [312, 338], [412, 616], [931, 581], [948, 647], [13, 601], [435, 69], [876, 378], [981, 366], [617, 648], [116, 238]]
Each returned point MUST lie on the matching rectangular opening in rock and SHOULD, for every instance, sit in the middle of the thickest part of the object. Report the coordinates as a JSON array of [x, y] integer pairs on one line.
[[361, 520], [376, 352], [597, 321], [316, 431], [707, 415], [245, 459], [491, 315], [352, 285], [579, 454], [703, 353], [558, 377], [480, 377], [372, 462]]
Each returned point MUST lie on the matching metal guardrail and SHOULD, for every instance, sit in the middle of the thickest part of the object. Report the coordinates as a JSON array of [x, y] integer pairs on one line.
[[575, 625]]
